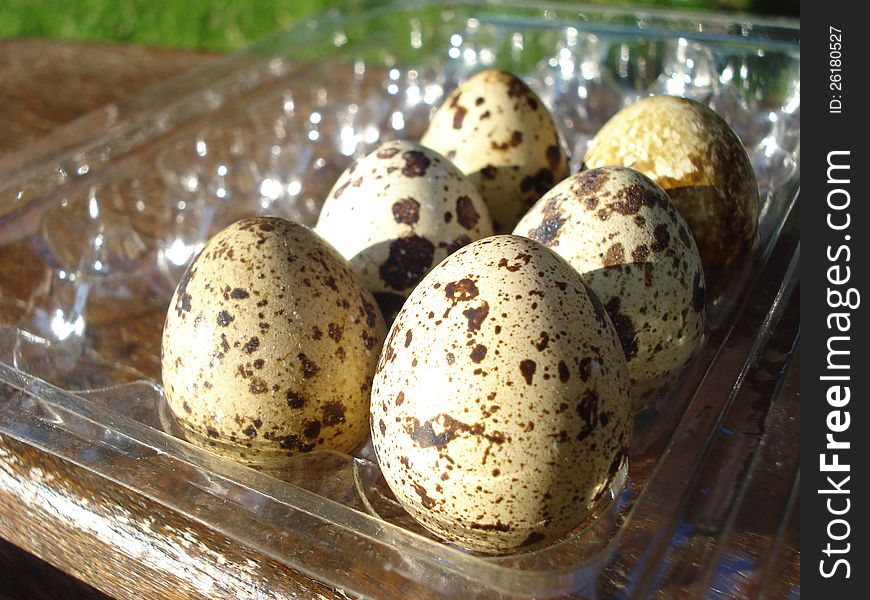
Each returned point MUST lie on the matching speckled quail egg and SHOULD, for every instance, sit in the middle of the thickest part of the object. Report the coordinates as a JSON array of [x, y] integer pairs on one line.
[[397, 213], [500, 134], [270, 345], [501, 408], [693, 154], [633, 248]]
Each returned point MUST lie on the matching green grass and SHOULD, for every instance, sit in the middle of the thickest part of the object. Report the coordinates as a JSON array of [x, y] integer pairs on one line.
[[202, 24], [220, 24]]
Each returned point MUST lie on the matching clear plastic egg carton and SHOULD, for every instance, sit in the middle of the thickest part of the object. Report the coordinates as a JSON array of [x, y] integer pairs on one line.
[[97, 224]]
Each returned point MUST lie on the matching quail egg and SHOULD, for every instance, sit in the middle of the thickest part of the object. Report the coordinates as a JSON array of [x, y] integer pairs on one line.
[[500, 134], [398, 212], [500, 407], [632, 247], [270, 345], [693, 154]]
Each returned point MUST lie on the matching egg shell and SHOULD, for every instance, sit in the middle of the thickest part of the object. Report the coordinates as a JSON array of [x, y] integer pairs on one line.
[[270, 344], [398, 212], [633, 248], [500, 134], [500, 408], [693, 154]]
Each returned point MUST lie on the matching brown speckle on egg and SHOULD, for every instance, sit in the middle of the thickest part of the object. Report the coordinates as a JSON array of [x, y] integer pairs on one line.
[[540, 182], [459, 116], [410, 258], [416, 163], [528, 368], [478, 353], [547, 232], [386, 152], [466, 214], [406, 211], [476, 316]]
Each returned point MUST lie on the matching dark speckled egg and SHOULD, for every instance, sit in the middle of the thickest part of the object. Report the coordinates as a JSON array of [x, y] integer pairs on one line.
[[631, 245], [398, 212], [270, 344], [501, 407], [500, 134]]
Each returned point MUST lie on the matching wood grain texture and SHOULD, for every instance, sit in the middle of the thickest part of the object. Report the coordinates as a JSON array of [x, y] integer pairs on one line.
[[46, 83], [125, 544]]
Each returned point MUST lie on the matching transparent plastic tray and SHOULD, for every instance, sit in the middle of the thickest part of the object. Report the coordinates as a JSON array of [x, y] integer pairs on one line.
[[98, 222]]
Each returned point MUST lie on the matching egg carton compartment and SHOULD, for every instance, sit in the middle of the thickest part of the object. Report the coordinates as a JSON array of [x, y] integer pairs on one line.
[[95, 239]]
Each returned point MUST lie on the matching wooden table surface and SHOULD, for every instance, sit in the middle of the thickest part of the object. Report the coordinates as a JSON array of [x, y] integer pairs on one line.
[[43, 85]]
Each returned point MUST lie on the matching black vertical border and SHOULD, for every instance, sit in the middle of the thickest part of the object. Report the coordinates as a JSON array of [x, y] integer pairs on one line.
[[822, 133]]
